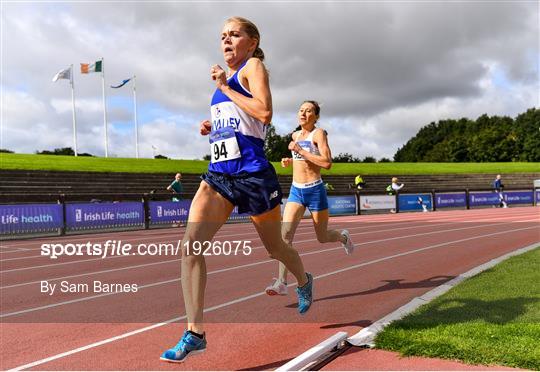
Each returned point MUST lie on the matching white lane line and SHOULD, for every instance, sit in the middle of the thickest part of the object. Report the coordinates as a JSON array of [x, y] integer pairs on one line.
[[304, 233], [92, 273], [175, 280], [238, 300], [236, 268], [257, 237], [259, 247], [119, 235], [412, 218], [256, 247], [440, 215], [143, 238], [304, 225]]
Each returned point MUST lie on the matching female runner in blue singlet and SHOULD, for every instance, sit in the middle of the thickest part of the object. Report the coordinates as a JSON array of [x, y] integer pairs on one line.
[[310, 153], [239, 175]]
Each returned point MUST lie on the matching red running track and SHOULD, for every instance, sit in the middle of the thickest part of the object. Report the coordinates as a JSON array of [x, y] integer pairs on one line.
[[398, 257]]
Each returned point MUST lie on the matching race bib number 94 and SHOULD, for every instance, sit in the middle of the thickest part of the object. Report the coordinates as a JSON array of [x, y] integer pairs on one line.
[[223, 145]]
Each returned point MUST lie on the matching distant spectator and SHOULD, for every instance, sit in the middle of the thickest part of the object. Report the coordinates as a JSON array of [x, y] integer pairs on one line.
[[176, 188], [394, 187], [498, 187], [328, 187], [359, 182]]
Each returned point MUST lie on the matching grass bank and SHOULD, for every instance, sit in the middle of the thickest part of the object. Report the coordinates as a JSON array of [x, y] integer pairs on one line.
[[492, 318], [95, 164]]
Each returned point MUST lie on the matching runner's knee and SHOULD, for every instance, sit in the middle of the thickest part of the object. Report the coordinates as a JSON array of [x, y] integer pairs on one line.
[[280, 252], [287, 237]]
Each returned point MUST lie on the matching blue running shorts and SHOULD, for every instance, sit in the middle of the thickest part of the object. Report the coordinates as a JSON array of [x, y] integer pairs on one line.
[[311, 195], [253, 193]]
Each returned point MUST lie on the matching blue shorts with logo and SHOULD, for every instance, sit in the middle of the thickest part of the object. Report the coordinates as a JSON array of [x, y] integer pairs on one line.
[[253, 193], [312, 197]]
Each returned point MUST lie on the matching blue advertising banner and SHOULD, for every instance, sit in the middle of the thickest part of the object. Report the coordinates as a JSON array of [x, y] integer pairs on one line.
[[518, 197], [168, 211], [483, 198], [104, 215], [537, 197], [340, 205], [29, 218], [457, 199], [235, 216], [413, 202]]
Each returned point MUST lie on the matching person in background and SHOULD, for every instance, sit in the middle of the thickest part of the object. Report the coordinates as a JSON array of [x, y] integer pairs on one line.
[[393, 188], [310, 153], [176, 187], [359, 182], [498, 188]]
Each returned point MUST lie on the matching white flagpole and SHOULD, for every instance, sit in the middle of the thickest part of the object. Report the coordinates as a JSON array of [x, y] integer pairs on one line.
[[73, 108], [135, 116], [104, 110]]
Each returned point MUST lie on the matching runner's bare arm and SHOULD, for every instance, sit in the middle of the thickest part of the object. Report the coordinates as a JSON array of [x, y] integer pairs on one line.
[[256, 77], [324, 160]]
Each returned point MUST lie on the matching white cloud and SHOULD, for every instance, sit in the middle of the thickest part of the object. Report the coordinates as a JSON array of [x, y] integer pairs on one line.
[[82, 105], [381, 71]]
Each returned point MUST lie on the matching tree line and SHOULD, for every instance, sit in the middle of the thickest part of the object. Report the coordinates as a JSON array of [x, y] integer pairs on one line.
[[486, 139], [276, 147]]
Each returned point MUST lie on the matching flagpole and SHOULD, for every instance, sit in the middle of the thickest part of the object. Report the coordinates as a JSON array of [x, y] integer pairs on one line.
[[135, 116], [104, 109], [73, 108]]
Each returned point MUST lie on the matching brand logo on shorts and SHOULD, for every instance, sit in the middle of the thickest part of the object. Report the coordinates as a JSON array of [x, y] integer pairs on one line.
[[274, 195]]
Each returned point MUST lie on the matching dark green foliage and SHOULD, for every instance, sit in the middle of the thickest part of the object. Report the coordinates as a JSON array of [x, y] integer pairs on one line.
[[345, 158], [369, 159], [59, 151], [6, 151], [276, 146], [486, 139], [159, 156]]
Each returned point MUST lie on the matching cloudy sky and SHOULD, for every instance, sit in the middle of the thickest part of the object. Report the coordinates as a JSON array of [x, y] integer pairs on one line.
[[381, 70]]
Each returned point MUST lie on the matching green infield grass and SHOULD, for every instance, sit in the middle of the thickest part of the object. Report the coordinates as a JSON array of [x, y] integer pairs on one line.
[[490, 319], [95, 164]]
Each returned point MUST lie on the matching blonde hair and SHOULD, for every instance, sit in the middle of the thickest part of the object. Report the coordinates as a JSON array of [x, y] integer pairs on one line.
[[252, 31], [394, 179]]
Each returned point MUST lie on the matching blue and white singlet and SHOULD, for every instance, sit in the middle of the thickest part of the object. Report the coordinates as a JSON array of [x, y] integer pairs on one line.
[[236, 138], [307, 144]]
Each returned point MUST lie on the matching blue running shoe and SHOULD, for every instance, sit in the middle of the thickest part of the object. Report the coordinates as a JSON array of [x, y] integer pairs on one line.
[[189, 344], [305, 295]]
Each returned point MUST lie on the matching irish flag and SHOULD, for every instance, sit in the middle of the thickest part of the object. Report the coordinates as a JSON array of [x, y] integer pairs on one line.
[[91, 67]]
